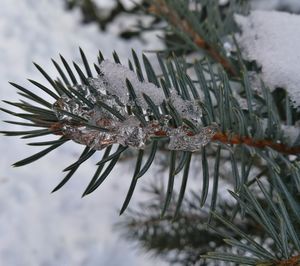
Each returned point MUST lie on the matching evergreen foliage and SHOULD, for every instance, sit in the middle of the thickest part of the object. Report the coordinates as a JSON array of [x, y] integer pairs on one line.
[[245, 129]]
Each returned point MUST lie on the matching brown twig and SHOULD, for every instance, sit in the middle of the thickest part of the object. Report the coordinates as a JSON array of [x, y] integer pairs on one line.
[[236, 139], [225, 138], [293, 261], [161, 8]]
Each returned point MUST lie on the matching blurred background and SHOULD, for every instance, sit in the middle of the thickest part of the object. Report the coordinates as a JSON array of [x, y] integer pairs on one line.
[[37, 227]]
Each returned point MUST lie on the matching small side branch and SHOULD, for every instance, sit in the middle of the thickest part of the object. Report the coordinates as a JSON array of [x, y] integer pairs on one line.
[[235, 139], [161, 8]]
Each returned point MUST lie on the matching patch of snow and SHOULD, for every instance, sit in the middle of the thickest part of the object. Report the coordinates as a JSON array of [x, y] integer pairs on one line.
[[114, 78], [272, 39], [291, 133]]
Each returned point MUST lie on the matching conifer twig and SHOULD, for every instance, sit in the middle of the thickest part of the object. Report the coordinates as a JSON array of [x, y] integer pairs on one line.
[[161, 8], [236, 139], [219, 136]]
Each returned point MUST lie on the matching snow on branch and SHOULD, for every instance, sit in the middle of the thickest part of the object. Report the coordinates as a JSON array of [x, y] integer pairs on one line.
[[272, 39], [113, 79]]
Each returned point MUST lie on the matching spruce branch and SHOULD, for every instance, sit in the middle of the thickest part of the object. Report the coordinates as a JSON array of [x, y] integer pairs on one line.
[[279, 225], [186, 236], [121, 107], [113, 108]]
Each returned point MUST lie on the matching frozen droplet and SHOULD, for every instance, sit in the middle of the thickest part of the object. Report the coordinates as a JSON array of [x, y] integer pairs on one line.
[[180, 140], [79, 120]]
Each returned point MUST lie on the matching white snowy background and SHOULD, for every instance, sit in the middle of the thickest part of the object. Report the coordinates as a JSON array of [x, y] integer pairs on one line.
[[60, 229], [36, 227]]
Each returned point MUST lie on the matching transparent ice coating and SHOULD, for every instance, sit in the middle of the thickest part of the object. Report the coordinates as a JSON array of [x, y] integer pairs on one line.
[[91, 138], [84, 123], [79, 130], [129, 132]]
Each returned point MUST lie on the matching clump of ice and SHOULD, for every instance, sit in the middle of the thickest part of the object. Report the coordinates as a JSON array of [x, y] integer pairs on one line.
[[84, 125], [179, 140], [272, 39], [131, 133], [89, 131]]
